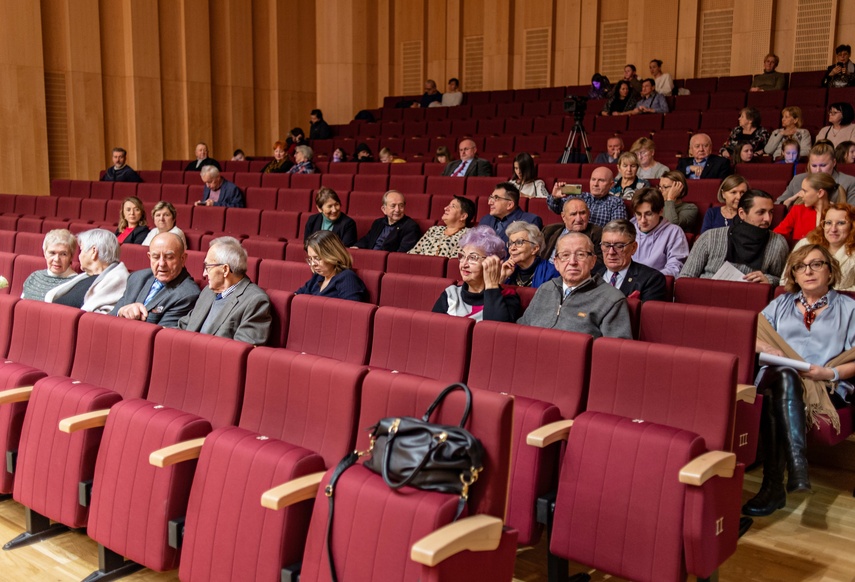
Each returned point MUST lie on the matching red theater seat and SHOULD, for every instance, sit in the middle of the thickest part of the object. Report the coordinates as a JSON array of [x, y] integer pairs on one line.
[[279, 225], [411, 291], [422, 265], [283, 275], [332, 328], [750, 296]]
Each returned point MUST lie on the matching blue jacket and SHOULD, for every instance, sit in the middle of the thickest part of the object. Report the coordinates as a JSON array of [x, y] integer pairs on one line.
[[499, 225], [230, 196], [543, 272], [345, 285]]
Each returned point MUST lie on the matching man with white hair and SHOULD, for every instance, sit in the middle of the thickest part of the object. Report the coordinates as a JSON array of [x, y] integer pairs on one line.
[[219, 191], [702, 164]]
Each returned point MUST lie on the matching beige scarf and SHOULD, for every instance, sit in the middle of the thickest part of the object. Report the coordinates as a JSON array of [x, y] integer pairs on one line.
[[817, 401]]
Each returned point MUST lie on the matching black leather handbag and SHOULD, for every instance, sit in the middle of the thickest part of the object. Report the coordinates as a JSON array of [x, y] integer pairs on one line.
[[415, 452]]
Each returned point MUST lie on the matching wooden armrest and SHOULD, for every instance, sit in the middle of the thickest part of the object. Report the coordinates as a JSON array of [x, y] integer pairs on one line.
[[292, 492], [550, 433], [714, 463], [746, 393], [177, 453], [83, 421], [477, 533], [13, 395]]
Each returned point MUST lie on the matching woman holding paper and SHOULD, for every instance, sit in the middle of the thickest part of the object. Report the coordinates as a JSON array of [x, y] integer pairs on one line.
[[813, 324]]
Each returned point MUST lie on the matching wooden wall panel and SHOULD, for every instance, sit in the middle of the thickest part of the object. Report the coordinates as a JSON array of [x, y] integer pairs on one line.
[[527, 14], [752, 37], [566, 40], [498, 45]]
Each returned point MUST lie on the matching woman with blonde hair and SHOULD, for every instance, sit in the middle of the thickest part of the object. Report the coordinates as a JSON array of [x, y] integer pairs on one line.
[[330, 262], [791, 128], [836, 232], [164, 216], [818, 191], [644, 149], [59, 247], [132, 225]]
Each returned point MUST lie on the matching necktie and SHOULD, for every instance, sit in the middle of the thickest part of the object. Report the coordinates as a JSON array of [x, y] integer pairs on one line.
[[613, 280], [461, 169], [155, 288]]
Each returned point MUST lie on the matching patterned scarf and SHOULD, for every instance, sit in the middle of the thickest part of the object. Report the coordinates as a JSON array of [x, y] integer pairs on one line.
[[810, 310]]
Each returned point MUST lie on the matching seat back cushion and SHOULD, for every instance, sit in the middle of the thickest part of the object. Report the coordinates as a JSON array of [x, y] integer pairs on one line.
[[330, 327]]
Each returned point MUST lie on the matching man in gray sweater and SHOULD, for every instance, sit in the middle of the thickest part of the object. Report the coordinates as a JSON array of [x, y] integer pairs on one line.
[[576, 301]]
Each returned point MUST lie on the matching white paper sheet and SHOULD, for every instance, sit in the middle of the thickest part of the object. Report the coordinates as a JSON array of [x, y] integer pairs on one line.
[[727, 272], [770, 360]]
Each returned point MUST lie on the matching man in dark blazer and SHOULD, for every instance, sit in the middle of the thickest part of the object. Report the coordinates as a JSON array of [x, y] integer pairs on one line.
[[468, 164], [164, 294], [702, 164], [619, 270], [202, 159], [577, 218], [395, 232], [120, 171], [218, 191], [231, 305]]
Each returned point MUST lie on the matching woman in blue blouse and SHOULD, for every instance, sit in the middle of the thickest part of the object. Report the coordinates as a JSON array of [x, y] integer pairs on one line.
[[331, 269], [729, 193]]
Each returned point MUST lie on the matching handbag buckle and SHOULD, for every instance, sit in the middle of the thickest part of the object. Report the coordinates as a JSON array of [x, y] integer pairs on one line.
[[441, 437], [473, 476], [328, 490], [370, 448], [395, 424]]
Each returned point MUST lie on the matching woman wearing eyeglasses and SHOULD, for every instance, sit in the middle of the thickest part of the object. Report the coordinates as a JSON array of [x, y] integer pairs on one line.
[[836, 233], [811, 323], [524, 267], [480, 296], [331, 269], [674, 188]]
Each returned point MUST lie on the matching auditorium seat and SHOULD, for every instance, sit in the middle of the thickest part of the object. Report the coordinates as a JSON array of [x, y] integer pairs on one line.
[[306, 181], [174, 193], [68, 208], [751, 296], [332, 328], [378, 183], [25, 265], [406, 184], [261, 198], [150, 194], [279, 225], [241, 222], [423, 265], [60, 187], [275, 180], [7, 242], [446, 185], [7, 311], [208, 219], [27, 243], [282, 275], [412, 291], [693, 102], [93, 210], [264, 248]]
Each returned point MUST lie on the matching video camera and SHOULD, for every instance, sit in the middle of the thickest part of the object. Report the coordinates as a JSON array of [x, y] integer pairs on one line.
[[577, 105]]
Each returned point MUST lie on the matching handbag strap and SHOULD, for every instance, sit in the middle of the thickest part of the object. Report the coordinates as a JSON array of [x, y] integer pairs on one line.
[[343, 465], [387, 459], [446, 392]]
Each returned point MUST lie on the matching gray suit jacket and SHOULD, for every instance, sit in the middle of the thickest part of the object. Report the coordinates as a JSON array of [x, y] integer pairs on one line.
[[171, 304], [245, 316]]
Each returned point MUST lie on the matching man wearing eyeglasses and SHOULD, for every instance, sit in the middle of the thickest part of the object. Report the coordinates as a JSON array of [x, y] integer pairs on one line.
[[504, 209], [164, 294], [468, 164], [576, 301], [576, 218], [620, 271]]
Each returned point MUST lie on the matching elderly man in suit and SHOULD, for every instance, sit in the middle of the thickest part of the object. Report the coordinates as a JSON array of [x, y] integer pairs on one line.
[[164, 294], [231, 306], [620, 271], [468, 164], [219, 191], [702, 164]]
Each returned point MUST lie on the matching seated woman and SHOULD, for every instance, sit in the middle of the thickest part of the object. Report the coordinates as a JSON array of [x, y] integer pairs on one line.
[[840, 126], [844, 153], [480, 297], [791, 128], [674, 188], [600, 87], [525, 268], [525, 177], [362, 153], [338, 155], [836, 233], [731, 190], [664, 82], [627, 180], [622, 100], [644, 149], [442, 155], [331, 218], [814, 324], [743, 153], [103, 280], [331, 269], [59, 247], [164, 216], [132, 225], [280, 162], [818, 192], [749, 130], [303, 156], [444, 241], [296, 137]]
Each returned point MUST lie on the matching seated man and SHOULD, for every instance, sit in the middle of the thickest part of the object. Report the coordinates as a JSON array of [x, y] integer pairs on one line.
[[318, 128], [202, 159], [603, 206], [651, 101], [577, 218], [395, 232], [231, 305], [218, 191], [614, 148], [575, 301], [747, 244], [821, 159], [661, 245], [164, 294], [120, 171], [431, 95], [620, 271], [468, 164], [505, 208], [452, 96], [769, 79], [702, 164]]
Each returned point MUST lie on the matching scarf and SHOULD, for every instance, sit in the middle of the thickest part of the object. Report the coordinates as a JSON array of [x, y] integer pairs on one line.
[[817, 401], [746, 244]]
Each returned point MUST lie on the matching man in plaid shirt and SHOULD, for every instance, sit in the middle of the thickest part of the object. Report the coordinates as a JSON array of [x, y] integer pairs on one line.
[[604, 206]]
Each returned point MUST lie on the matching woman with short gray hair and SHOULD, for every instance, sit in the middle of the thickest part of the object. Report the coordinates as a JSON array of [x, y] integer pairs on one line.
[[59, 247], [303, 157], [524, 266], [104, 277]]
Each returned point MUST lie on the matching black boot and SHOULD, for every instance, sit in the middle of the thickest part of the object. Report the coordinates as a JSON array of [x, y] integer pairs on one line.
[[772, 495], [789, 408]]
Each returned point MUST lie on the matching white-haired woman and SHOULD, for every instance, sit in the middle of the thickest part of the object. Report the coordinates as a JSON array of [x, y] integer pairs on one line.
[[59, 247]]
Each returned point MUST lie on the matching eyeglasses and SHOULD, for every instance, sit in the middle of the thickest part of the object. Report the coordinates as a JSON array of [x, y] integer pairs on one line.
[[313, 260], [665, 186], [156, 256], [813, 266], [578, 255], [209, 265], [493, 198], [473, 258], [519, 243], [617, 247], [838, 223]]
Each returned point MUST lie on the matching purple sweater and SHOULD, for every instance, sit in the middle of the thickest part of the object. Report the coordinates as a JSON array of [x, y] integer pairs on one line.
[[664, 248]]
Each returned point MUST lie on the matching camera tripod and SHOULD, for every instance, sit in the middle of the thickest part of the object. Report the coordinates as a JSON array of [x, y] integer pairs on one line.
[[570, 149]]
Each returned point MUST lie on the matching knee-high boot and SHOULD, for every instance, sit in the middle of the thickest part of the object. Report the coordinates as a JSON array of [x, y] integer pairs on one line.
[[789, 407], [772, 495]]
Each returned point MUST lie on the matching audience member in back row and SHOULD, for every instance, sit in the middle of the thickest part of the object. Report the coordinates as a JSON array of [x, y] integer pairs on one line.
[[504, 209], [747, 244], [575, 217], [821, 159], [840, 126], [231, 305], [164, 216], [525, 177], [524, 268], [619, 270], [844, 153], [842, 72], [331, 265], [280, 163], [818, 192], [650, 101], [622, 99], [661, 245], [239, 156], [469, 163], [120, 171], [303, 157], [614, 147], [453, 96], [644, 149], [444, 241], [318, 128], [431, 95], [730, 191], [395, 232], [592, 305], [769, 79], [59, 247], [480, 296], [674, 189], [627, 180], [702, 164], [791, 128], [603, 206], [836, 232], [219, 191], [103, 280], [202, 159], [750, 130], [166, 292], [664, 82], [330, 217], [132, 223]]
